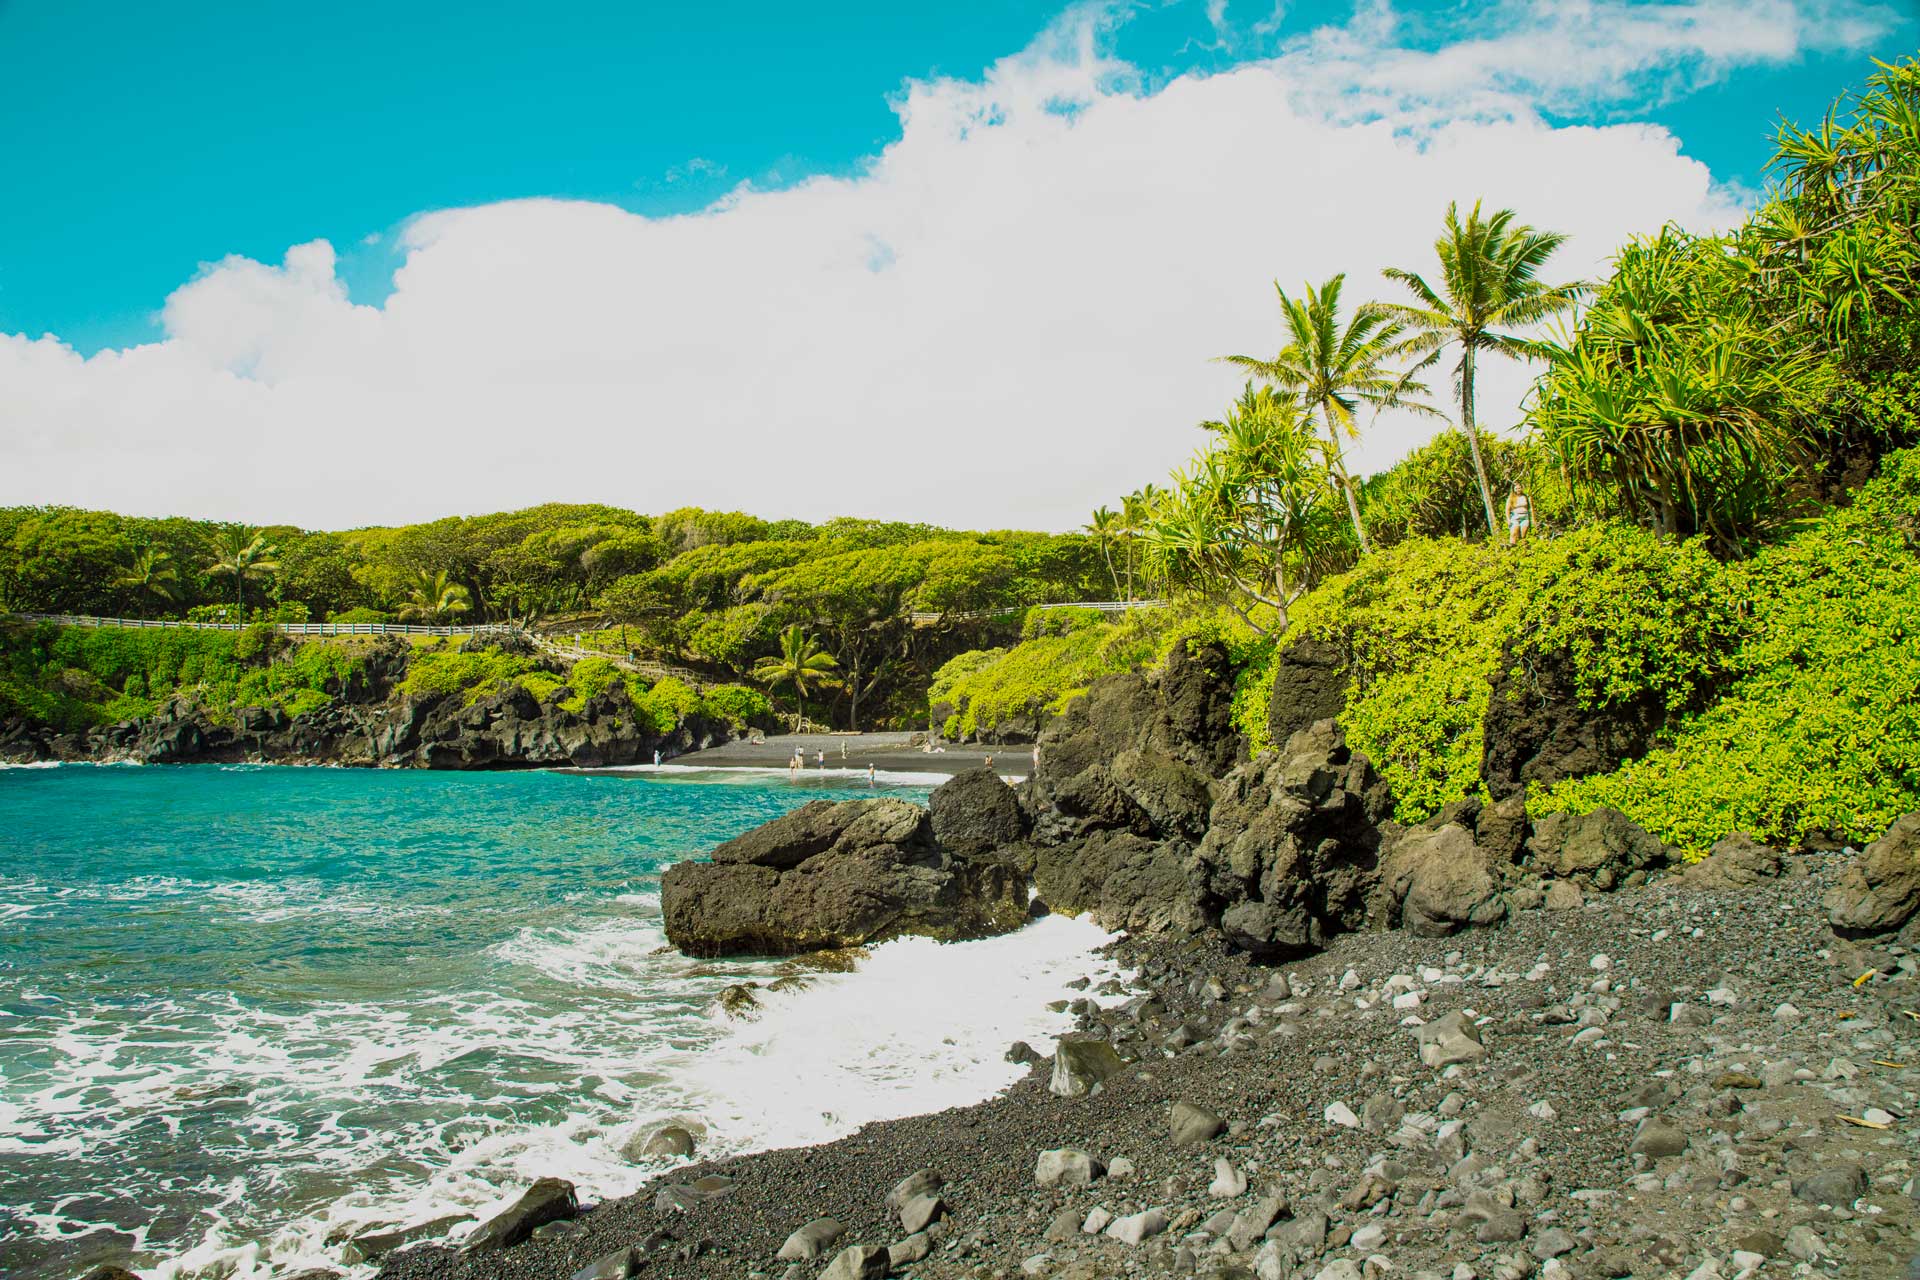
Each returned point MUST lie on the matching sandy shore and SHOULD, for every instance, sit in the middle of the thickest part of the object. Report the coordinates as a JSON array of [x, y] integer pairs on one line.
[[886, 752]]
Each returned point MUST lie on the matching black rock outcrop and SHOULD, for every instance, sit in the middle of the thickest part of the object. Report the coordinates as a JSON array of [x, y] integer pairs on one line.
[[1291, 853], [1537, 731], [370, 722], [828, 876]]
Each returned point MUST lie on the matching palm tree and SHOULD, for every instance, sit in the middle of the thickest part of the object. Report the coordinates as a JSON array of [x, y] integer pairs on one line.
[[801, 663], [242, 553], [1489, 282], [152, 574], [1104, 528], [433, 597], [1334, 369]]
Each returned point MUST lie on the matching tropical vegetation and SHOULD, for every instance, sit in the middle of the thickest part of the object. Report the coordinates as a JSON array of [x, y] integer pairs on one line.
[[1720, 461]]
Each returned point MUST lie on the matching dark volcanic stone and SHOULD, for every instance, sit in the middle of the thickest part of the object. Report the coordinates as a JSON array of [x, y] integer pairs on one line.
[[975, 812], [1291, 854], [1598, 849], [548, 1200], [1309, 685], [829, 876], [1537, 731], [1881, 890]]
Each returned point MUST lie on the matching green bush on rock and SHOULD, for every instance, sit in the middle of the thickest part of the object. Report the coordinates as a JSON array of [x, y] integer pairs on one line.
[[1818, 736]]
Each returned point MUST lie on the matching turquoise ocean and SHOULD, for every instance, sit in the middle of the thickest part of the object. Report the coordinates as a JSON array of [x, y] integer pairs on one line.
[[247, 1012]]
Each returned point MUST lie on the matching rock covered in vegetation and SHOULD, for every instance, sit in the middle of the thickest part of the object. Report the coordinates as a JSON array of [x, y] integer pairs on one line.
[[836, 875], [376, 719], [1537, 732]]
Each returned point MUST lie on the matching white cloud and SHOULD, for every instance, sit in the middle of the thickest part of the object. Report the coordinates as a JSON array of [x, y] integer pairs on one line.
[[1006, 320]]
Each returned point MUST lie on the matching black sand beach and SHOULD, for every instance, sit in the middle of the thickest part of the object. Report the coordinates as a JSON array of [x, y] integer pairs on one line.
[[886, 752]]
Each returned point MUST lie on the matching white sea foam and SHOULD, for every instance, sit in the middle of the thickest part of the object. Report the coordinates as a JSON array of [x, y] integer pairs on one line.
[[744, 772], [918, 1027]]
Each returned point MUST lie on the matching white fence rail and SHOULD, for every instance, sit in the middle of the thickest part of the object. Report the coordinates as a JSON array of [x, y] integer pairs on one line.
[[1102, 606], [285, 628]]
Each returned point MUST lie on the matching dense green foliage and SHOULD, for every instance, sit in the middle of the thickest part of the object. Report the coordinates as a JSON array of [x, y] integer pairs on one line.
[[76, 677], [714, 589], [1423, 625], [988, 690], [1818, 735], [1718, 380]]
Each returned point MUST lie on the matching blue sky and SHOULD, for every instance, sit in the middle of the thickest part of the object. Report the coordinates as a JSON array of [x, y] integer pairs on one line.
[[970, 263], [143, 140]]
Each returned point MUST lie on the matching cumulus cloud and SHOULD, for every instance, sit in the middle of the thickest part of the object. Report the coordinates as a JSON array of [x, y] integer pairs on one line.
[[1006, 319]]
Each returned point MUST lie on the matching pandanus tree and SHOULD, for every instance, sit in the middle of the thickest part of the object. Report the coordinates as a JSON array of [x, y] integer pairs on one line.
[[241, 553], [802, 665], [1336, 367], [1245, 520], [151, 575], [1676, 395], [1488, 291], [434, 598]]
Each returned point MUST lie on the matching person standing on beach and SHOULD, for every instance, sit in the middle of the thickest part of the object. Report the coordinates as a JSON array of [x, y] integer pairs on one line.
[[869, 775], [793, 766], [819, 758], [1519, 515], [656, 757]]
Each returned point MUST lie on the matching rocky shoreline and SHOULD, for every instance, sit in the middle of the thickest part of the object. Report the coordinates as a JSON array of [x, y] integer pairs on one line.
[[1477, 1048], [1685, 1081], [1480, 1048]]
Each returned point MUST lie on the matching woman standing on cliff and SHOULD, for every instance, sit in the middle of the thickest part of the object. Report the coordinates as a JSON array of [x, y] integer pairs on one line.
[[1519, 514]]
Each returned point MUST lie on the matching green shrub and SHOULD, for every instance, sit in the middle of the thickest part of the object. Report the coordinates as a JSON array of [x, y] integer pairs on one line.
[[1423, 625], [74, 677], [360, 613], [473, 674], [736, 704], [994, 687], [1058, 622], [1818, 736], [589, 678]]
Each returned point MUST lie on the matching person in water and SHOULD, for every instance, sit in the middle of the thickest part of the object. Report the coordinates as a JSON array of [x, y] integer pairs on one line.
[[1519, 515], [869, 775]]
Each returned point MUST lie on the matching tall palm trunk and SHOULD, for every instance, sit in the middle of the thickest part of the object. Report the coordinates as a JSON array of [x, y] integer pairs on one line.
[[1473, 437], [1346, 481]]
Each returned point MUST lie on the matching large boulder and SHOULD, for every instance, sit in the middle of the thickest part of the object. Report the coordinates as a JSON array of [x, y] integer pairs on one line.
[[1537, 731], [1136, 752], [1880, 892], [831, 876], [1292, 850], [975, 812], [1737, 862], [1602, 849], [548, 1200], [1196, 696], [1124, 881], [1443, 881], [1309, 685]]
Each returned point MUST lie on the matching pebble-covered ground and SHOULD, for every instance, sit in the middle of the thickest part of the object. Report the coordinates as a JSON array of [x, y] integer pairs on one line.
[[1670, 1082]]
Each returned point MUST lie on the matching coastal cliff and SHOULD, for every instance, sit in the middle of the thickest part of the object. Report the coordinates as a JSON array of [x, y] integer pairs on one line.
[[390, 705]]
